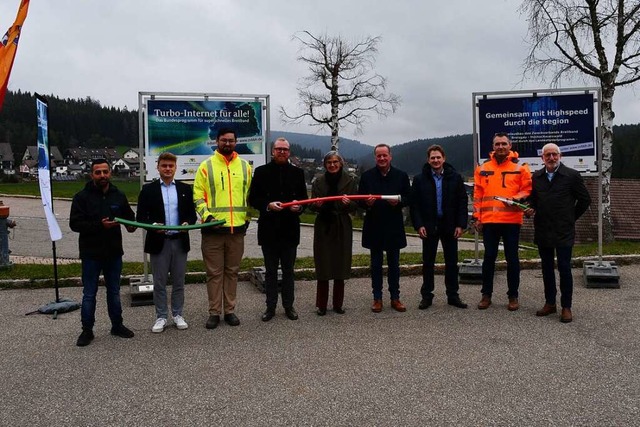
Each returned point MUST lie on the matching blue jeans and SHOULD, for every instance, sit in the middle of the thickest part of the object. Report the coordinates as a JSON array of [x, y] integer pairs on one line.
[[393, 275], [111, 269], [549, 277], [510, 234]]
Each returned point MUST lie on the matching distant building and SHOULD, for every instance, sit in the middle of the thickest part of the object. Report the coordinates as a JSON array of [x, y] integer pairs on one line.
[[127, 167], [7, 161], [131, 153], [80, 155]]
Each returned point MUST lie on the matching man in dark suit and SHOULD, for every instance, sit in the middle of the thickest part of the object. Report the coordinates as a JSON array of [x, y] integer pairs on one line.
[[558, 199], [439, 214], [383, 228], [167, 202], [275, 183]]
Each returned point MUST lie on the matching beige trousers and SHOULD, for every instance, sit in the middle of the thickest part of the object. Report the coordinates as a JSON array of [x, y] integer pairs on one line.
[[222, 254]]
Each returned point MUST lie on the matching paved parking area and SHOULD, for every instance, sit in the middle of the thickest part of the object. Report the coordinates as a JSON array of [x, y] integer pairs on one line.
[[443, 366]]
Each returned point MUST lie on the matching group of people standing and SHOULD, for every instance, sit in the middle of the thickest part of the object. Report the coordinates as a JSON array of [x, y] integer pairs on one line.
[[225, 187]]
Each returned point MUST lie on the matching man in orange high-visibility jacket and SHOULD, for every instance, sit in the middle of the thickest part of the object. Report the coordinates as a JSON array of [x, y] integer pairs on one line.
[[220, 191], [502, 175]]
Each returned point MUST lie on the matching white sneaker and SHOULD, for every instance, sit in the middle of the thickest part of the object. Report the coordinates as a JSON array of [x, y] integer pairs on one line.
[[159, 326], [180, 322]]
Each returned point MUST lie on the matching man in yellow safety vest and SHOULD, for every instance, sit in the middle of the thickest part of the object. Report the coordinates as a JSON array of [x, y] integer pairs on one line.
[[220, 191]]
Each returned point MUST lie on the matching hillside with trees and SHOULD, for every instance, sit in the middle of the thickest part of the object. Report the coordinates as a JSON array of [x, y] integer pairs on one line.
[[86, 123], [72, 123]]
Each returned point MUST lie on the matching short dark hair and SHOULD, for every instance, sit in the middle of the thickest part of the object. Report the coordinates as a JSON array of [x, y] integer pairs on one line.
[[435, 147], [99, 162], [167, 156], [380, 146], [501, 135], [224, 131]]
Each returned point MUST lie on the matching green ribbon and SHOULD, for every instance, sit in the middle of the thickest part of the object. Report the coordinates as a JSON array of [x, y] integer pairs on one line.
[[169, 227]]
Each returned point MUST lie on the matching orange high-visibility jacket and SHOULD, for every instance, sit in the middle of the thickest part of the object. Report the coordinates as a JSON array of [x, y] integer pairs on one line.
[[509, 179]]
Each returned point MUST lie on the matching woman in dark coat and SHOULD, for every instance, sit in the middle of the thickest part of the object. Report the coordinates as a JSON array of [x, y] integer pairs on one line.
[[332, 236]]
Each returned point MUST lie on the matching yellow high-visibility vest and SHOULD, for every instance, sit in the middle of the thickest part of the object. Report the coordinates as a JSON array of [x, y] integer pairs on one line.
[[221, 188]]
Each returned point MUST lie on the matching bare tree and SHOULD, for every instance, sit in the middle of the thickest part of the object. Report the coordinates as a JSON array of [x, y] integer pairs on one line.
[[594, 39], [341, 87]]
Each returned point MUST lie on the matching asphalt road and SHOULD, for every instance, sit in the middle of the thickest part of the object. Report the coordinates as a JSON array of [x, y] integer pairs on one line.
[[30, 238]]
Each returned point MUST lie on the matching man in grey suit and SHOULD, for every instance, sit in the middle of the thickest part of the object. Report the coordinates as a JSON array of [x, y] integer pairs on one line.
[[169, 202]]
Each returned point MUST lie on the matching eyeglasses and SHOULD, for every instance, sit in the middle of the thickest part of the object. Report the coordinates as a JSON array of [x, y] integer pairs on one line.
[[551, 154], [227, 140], [281, 149]]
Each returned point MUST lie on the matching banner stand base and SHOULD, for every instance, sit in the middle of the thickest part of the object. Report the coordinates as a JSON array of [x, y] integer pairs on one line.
[[470, 272], [141, 290], [601, 274]]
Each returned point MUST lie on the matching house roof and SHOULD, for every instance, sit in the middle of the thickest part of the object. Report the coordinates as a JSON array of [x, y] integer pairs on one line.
[[623, 202], [81, 153], [32, 153]]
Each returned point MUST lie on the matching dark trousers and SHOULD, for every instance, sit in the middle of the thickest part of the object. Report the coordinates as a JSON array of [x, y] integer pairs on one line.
[[429, 251], [510, 234], [91, 269], [549, 277], [322, 294], [285, 256], [393, 274]]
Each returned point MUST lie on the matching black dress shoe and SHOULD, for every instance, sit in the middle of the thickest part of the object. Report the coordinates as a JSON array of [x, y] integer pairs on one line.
[[231, 319], [291, 313], [456, 302], [425, 303], [121, 331], [339, 310], [85, 338], [321, 311], [213, 322], [268, 315]]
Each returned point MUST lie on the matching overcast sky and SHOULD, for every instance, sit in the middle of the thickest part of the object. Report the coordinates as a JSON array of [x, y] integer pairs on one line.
[[435, 54]]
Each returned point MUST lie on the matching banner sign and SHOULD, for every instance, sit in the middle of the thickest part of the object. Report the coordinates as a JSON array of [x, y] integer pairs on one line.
[[568, 120], [188, 128], [44, 171]]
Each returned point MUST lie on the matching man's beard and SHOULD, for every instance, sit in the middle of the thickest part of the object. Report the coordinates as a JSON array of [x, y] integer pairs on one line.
[[225, 149]]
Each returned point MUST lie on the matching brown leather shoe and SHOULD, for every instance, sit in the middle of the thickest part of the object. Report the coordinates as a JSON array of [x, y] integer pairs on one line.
[[513, 304], [546, 310], [376, 307], [566, 316], [484, 303], [397, 305]]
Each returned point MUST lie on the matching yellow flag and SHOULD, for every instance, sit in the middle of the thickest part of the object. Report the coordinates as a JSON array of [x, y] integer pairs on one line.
[[8, 48]]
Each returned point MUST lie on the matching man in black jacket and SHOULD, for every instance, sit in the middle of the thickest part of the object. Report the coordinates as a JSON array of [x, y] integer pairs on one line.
[[557, 200], [169, 202], [383, 228], [100, 242], [439, 213], [275, 183]]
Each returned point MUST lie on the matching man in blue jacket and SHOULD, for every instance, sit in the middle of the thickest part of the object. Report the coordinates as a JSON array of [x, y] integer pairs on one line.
[[100, 241], [439, 214]]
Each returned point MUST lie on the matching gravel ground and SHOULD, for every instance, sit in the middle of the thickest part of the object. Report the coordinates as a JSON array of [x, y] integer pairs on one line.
[[442, 366]]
